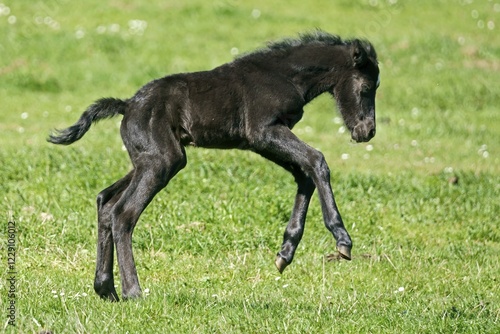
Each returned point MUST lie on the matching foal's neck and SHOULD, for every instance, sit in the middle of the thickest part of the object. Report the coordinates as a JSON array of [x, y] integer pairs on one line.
[[313, 70]]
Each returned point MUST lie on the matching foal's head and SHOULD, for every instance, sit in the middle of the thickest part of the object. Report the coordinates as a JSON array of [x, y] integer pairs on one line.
[[355, 90]]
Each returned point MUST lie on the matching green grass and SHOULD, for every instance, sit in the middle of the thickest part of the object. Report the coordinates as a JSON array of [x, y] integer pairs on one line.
[[426, 248]]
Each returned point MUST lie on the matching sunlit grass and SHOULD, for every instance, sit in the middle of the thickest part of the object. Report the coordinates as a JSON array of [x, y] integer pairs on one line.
[[420, 200]]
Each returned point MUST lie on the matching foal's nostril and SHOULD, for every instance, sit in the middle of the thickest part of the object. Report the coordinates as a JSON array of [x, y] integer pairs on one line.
[[363, 131]]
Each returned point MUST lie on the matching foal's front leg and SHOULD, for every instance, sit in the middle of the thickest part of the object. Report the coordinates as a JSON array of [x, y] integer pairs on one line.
[[278, 141], [295, 228]]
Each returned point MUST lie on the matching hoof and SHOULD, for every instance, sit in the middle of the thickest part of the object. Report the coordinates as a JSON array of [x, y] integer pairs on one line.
[[106, 290], [344, 252], [280, 263], [111, 296]]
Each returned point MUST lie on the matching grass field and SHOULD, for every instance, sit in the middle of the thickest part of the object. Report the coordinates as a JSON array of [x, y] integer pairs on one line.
[[421, 200]]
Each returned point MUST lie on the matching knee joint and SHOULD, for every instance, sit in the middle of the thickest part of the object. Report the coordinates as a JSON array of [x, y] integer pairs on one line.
[[321, 168]]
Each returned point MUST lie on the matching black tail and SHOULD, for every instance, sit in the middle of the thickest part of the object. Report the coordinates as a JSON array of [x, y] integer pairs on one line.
[[103, 108]]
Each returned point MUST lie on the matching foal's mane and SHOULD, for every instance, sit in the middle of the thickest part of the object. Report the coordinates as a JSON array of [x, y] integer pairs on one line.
[[314, 37], [317, 37]]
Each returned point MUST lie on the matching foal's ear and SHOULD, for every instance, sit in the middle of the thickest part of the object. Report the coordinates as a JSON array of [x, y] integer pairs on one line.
[[358, 53]]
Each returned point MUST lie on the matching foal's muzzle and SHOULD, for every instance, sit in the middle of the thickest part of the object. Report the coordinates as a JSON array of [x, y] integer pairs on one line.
[[363, 131]]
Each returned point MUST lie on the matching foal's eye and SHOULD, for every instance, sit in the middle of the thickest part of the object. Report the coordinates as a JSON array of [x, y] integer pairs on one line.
[[365, 88]]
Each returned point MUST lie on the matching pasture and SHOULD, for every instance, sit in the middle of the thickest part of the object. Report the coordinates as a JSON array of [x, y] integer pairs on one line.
[[420, 200]]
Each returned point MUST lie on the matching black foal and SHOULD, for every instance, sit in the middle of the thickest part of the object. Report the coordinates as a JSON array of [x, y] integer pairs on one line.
[[251, 103]]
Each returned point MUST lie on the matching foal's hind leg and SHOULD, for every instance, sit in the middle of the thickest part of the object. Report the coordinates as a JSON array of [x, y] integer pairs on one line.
[[104, 284], [151, 174]]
